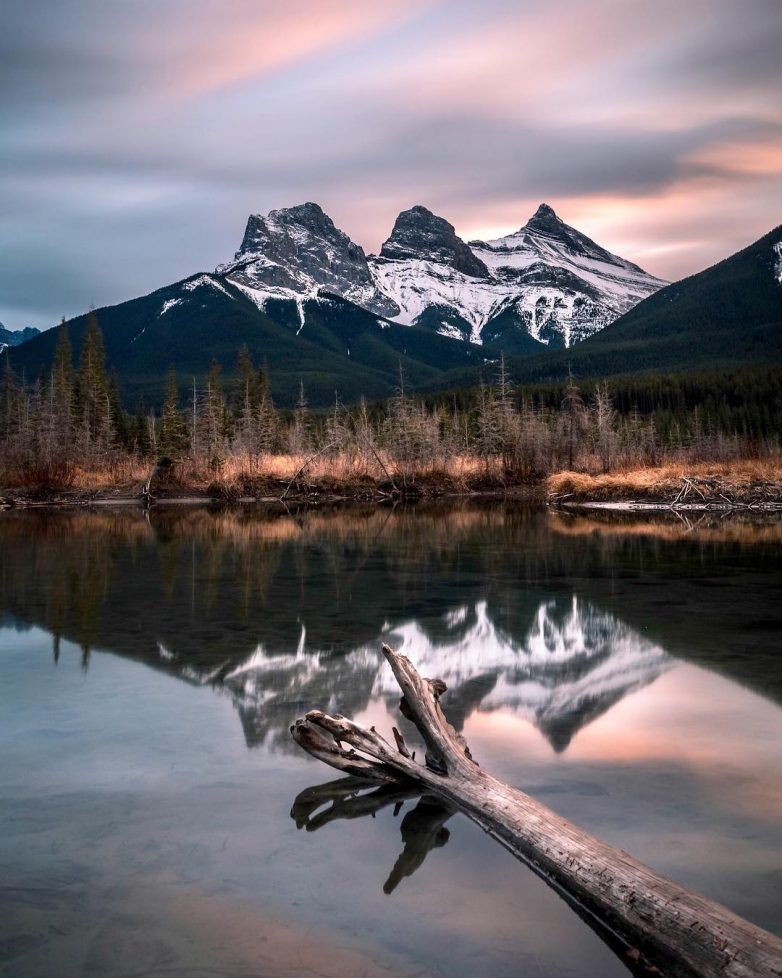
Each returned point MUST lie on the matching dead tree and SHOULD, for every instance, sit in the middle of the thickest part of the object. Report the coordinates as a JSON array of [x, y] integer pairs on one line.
[[662, 925]]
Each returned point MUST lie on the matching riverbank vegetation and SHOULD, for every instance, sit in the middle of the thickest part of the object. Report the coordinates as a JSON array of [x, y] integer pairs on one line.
[[68, 430], [733, 482]]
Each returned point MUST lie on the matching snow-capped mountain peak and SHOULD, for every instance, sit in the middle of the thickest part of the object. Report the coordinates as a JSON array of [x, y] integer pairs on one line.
[[546, 284], [297, 251], [568, 286], [547, 236]]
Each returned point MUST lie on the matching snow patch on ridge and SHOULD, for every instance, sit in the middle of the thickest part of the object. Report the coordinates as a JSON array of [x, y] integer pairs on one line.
[[168, 304], [778, 262], [202, 280], [448, 329], [257, 296]]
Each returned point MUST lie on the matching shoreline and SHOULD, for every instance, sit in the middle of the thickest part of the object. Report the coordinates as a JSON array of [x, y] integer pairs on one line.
[[736, 486], [85, 499], [636, 506]]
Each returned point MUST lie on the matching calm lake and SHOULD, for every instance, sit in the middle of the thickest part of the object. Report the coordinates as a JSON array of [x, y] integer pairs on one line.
[[156, 818]]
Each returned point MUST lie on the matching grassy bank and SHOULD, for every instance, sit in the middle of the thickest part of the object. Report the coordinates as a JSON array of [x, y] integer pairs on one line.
[[271, 477], [321, 477], [737, 482]]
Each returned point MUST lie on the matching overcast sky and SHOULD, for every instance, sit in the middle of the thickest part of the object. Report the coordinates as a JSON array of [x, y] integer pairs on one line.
[[136, 136]]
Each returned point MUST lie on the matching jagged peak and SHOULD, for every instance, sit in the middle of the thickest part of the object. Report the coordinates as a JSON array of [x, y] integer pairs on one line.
[[419, 233], [308, 214], [545, 219], [294, 226], [308, 209], [544, 210]]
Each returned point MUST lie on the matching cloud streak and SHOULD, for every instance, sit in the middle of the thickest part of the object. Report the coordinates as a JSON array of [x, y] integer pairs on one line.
[[135, 138]]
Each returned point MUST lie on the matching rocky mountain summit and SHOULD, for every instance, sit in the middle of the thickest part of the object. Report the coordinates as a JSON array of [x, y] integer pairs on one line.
[[15, 337], [545, 285], [299, 251], [420, 234]]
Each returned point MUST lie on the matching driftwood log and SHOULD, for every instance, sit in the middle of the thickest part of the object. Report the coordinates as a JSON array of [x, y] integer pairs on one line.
[[662, 927]]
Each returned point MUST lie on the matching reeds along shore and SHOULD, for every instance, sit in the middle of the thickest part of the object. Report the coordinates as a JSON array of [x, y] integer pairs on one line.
[[69, 431]]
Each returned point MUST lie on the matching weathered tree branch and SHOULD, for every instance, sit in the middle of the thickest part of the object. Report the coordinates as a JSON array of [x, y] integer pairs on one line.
[[665, 925]]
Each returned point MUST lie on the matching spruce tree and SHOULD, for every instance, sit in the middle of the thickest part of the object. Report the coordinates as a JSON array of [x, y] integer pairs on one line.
[[62, 367], [247, 382], [91, 387], [138, 434], [173, 441]]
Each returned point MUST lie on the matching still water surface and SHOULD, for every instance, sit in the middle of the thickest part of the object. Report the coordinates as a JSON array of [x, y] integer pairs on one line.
[[156, 818]]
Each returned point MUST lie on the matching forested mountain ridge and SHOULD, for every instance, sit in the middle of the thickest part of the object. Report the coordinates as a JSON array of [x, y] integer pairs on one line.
[[727, 315], [330, 345], [309, 334]]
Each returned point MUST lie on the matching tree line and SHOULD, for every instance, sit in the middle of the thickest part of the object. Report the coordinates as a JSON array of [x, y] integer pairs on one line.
[[72, 418]]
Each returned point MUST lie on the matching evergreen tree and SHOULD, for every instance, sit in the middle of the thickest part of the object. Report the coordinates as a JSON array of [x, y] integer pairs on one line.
[[138, 432], [62, 367], [247, 388], [91, 396], [173, 441], [573, 407], [120, 422], [215, 420]]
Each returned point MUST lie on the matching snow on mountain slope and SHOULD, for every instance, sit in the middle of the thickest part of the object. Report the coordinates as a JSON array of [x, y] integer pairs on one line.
[[298, 251], [546, 281], [416, 285], [545, 285], [547, 242]]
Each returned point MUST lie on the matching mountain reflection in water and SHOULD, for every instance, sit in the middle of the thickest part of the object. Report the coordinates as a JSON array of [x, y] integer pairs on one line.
[[570, 665], [552, 619], [598, 664]]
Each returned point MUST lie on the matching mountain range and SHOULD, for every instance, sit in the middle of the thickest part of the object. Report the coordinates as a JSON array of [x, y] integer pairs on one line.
[[545, 286], [724, 316], [15, 337], [307, 300]]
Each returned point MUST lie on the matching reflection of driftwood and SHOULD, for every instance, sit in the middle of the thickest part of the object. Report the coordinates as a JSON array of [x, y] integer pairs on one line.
[[422, 827], [346, 801], [146, 492], [422, 830], [660, 923]]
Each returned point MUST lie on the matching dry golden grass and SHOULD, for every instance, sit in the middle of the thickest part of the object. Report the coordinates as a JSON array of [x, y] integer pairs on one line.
[[735, 478], [125, 472], [268, 475], [361, 476], [239, 474]]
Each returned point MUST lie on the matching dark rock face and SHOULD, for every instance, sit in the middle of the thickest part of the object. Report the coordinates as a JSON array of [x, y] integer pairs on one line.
[[301, 249], [557, 278], [15, 337], [418, 233]]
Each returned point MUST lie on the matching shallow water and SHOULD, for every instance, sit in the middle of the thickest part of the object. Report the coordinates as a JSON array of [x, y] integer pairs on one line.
[[156, 818]]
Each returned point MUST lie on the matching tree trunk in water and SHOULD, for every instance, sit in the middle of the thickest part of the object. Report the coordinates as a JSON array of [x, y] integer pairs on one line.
[[661, 924]]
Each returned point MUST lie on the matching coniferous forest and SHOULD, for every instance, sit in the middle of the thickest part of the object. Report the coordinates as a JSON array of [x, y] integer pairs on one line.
[[70, 427]]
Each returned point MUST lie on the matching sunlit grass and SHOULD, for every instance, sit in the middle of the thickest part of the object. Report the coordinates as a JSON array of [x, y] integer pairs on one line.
[[734, 478]]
